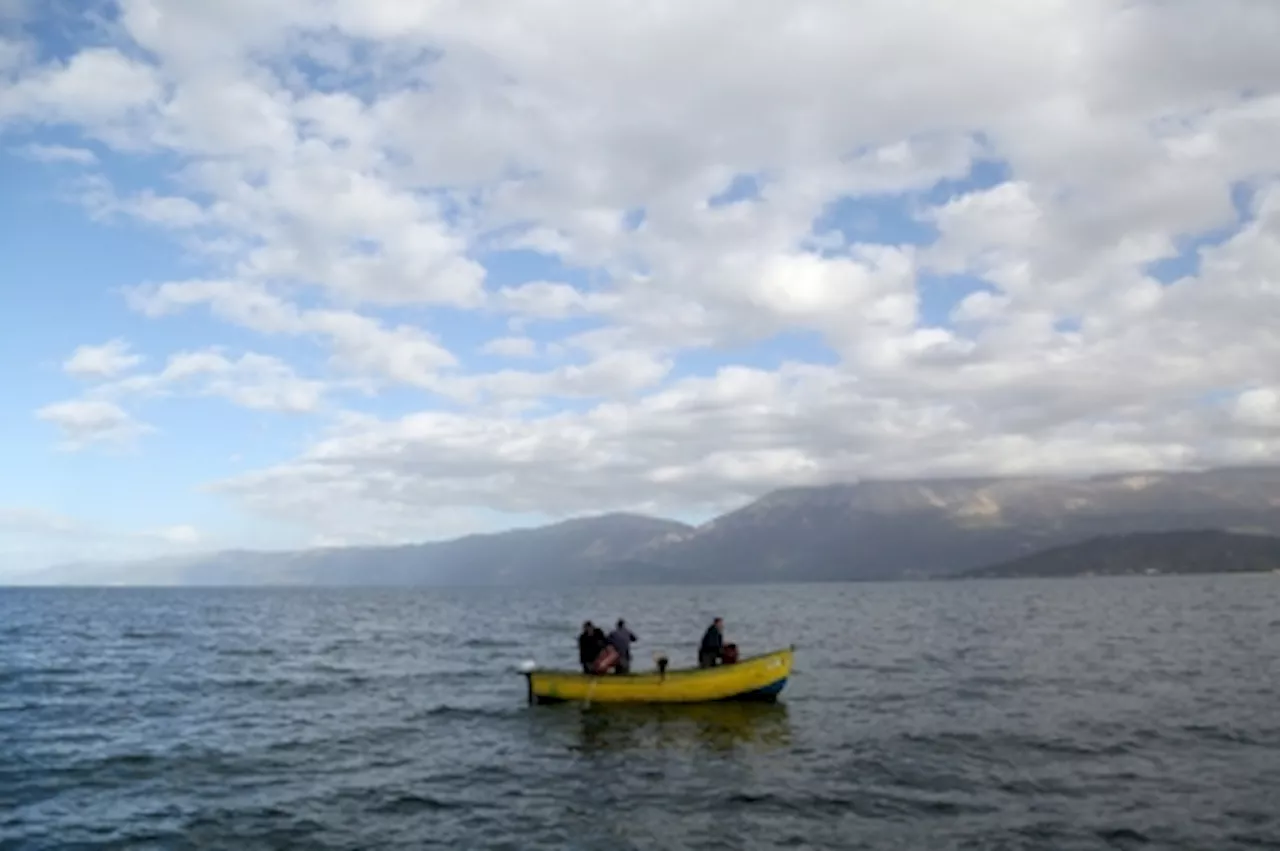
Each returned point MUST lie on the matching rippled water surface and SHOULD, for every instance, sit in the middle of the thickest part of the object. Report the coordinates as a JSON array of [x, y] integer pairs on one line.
[[1121, 713]]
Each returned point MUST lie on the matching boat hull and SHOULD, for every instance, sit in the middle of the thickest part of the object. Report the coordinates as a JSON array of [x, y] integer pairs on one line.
[[759, 678]]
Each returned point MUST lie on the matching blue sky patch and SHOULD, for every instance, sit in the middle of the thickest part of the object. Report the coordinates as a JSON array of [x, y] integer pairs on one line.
[[515, 266], [1186, 263], [888, 219], [634, 218], [804, 346], [61, 30], [743, 187], [983, 174], [941, 294], [896, 218]]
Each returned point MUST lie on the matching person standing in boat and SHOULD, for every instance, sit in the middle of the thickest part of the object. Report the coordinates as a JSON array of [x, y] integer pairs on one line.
[[711, 651], [621, 639], [591, 643]]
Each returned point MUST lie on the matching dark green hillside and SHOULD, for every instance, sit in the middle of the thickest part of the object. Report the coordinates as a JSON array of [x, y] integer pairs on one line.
[[1203, 551]]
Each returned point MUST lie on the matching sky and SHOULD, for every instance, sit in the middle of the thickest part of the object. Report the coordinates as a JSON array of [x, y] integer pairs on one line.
[[314, 272]]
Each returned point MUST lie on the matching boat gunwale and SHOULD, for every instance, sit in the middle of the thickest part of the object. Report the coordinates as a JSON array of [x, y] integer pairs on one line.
[[671, 672]]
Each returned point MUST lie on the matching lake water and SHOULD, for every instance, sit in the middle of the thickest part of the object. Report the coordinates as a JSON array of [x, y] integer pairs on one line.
[[1099, 713]]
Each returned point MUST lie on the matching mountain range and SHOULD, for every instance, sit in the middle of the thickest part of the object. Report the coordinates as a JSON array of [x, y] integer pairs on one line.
[[871, 530], [1146, 553]]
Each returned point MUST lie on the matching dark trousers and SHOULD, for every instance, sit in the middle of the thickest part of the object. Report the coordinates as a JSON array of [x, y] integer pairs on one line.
[[708, 658]]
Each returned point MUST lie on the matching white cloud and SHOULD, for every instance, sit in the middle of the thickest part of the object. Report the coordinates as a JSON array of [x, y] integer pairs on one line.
[[546, 300], [105, 361], [35, 521], [98, 86], [32, 538], [511, 347], [59, 154], [38, 522], [614, 373], [88, 421], [345, 196], [253, 381], [360, 345], [702, 443], [1258, 407], [185, 535], [164, 211]]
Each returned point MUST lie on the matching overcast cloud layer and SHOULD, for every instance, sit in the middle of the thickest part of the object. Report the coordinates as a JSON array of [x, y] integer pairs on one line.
[[761, 243]]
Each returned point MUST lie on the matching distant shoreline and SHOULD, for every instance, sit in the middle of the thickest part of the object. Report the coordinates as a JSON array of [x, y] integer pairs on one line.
[[1177, 553]]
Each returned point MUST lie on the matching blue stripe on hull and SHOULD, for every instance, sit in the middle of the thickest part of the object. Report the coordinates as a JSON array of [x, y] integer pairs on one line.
[[766, 694]]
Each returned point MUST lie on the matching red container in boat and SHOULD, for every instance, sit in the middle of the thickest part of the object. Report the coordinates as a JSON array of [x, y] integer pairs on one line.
[[606, 660], [729, 654]]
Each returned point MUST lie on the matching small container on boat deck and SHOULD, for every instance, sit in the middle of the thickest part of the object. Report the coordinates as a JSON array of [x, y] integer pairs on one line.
[[606, 660]]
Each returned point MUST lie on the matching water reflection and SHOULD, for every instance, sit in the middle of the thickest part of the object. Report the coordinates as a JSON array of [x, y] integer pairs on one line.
[[715, 727]]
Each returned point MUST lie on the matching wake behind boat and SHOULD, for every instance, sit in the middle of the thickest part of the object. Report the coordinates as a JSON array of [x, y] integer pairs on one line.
[[757, 678]]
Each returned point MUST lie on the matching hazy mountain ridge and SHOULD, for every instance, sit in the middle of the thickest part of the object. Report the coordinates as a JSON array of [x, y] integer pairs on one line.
[[1194, 551], [571, 550], [865, 530], [894, 529]]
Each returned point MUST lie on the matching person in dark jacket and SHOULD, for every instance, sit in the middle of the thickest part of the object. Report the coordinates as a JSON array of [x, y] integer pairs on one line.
[[621, 639], [712, 648], [591, 643]]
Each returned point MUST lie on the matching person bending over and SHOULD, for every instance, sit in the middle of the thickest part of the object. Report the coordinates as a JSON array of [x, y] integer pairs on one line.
[[621, 639]]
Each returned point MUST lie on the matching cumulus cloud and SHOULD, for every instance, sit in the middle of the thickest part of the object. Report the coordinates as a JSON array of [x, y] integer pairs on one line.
[[360, 345], [167, 211], [511, 347], [253, 381], [695, 181], [59, 154], [1259, 407], [105, 361], [99, 87], [88, 421], [703, 444]]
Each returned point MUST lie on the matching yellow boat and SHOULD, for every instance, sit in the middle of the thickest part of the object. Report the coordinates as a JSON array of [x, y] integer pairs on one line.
[[757, 678]]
